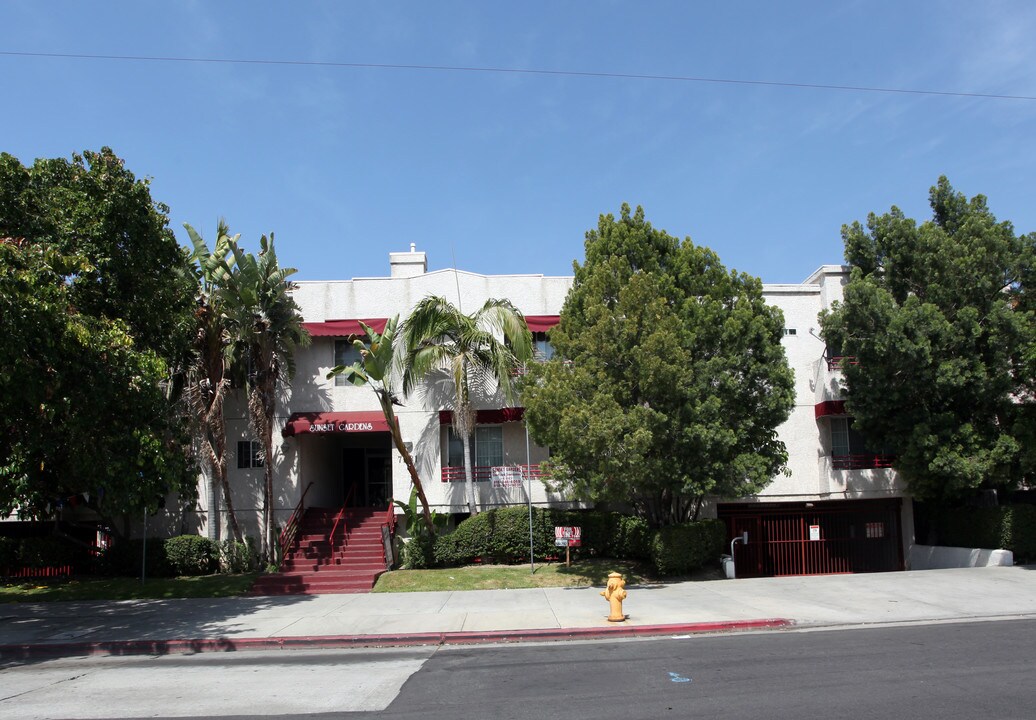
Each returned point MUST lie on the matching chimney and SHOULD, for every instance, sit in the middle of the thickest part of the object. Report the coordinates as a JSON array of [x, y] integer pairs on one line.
[[408, 264]]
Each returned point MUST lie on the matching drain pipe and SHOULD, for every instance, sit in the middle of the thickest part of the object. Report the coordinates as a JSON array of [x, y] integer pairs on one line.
[[743, 538]]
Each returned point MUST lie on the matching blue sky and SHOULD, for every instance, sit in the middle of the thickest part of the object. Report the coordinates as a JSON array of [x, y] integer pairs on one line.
[[506, 171]]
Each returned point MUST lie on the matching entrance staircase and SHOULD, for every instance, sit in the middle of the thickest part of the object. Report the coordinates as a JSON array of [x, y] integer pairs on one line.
[[348, 563]]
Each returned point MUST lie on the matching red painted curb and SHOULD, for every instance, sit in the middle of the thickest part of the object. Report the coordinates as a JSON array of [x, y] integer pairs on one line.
[[169, 647]]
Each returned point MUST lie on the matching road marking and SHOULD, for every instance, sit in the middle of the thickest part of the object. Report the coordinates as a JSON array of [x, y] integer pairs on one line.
[[676, 677]]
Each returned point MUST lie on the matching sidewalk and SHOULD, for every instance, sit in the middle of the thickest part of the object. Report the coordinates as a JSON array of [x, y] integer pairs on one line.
[[191, 625]]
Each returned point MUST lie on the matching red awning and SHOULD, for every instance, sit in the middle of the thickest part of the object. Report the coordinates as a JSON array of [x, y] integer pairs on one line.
[[487, 417], [541, 323], [325, 423], [343, 328], [828, 408]]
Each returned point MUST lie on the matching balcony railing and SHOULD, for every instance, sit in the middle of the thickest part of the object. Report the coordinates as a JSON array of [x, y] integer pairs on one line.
[[484, 473], [862, 461], [840, 361]]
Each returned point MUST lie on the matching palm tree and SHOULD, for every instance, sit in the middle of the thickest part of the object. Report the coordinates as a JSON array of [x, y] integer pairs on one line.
[[268, 329], [480, 352], [376, 367], [207, 373]]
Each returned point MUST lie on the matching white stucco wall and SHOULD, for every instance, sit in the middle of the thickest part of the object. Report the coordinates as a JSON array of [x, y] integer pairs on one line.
[[300, 459]]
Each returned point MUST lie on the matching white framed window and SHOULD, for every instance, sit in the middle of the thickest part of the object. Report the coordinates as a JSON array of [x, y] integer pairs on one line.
[[249, 454], [489, 446], [345, 354]]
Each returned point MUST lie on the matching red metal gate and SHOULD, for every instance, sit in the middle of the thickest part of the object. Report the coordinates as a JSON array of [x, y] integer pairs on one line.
[[815, 538]]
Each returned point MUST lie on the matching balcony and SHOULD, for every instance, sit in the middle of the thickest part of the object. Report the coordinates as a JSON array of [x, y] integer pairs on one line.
[[505, 474], [838, 362], [861, 461]]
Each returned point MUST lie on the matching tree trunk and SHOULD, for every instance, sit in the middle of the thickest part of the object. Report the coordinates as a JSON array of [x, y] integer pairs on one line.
[[261, 410], [408, 460], [217, 446], [469, 481]]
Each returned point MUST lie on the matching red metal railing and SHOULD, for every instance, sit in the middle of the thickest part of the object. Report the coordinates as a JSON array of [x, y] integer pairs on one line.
[[862, 461], [38, 572], [340, 518], [481, 473], [840, 361], [292, 526]]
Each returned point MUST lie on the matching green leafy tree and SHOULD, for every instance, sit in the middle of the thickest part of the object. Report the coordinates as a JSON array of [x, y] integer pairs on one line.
[[375, 368], [267, 329], [94, 208], [84, 411], [668, 381], [940, 320], [208, 372], [480, 353], [87, 245]]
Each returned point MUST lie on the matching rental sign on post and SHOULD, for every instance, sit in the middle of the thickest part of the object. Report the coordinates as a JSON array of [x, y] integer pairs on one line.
[[568, 537]]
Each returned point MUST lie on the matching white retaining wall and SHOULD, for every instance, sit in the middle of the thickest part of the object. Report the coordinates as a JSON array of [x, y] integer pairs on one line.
[[931, 557]]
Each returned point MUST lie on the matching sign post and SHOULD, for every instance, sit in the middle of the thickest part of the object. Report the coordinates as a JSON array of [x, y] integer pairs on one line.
[[568, 537]]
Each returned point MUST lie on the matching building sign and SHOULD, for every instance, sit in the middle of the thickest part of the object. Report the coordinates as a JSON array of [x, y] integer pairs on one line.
[[568, 536], [506, 476], [328, 423], [342, 427], [814, 532]]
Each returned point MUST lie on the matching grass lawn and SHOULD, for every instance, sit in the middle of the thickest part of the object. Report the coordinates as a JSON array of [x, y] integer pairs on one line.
[[583, 573], [204, 586]]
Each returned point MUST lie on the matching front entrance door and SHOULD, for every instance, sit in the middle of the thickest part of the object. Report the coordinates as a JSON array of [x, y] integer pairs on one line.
[[366, 477], [379, 479]]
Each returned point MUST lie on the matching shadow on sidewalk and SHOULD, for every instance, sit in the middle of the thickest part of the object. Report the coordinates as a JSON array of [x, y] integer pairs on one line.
[[31, 632]]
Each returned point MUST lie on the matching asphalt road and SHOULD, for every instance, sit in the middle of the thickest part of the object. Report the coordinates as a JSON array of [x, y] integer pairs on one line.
[[945, 671]]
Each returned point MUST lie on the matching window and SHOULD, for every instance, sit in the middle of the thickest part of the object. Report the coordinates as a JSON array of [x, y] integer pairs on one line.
[[455, 449], [542, 350], [790, 331], [849, 449], [489, 446], [345, 354], [249, 454], [488, 449]]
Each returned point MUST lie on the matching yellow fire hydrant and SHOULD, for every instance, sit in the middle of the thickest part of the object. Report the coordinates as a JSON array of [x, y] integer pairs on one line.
[[615, 593]]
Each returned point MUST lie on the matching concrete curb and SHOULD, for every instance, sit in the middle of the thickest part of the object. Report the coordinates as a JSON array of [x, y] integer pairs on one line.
[[39, 651]]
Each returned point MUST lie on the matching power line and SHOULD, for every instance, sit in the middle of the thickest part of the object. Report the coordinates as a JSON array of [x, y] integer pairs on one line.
[[516, 71]]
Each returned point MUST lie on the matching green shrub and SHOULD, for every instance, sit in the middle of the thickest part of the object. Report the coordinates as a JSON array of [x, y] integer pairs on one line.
[[509, 534], [123, 557], [632, 538], [38, 552], [446, 551], [468, 541], [1012, 527], [502, 535], [238, 557], [418, 553], [191, 555], [679, 549], [10, 550]]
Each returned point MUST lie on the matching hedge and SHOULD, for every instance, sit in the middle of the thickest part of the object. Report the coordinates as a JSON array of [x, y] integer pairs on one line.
[[1012, 527], [169, 557], [123, 558], [679, 549], [191, 555], [502, 535]]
